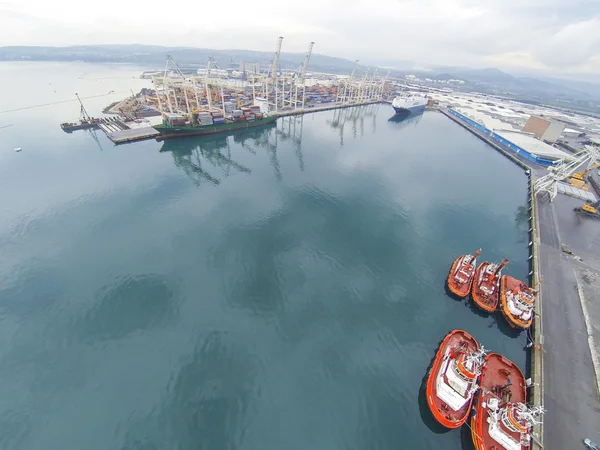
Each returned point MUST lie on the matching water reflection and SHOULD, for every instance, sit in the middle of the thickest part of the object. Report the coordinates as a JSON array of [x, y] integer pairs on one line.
[[207, 159], [199, 157], [130, 304], [354, 119], [192, 154], [207, 400], [290, 128], [404, 121]]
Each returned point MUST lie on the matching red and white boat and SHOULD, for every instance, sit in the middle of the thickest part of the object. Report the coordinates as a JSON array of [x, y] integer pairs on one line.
[[486, 285], [502, 420], [461, 274], [453, 378], [517, 301]]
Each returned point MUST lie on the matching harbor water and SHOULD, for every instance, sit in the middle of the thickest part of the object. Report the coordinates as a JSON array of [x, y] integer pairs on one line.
[[279, 288]]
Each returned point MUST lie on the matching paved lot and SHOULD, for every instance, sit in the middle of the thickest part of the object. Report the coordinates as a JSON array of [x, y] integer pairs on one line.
[[570, 393]]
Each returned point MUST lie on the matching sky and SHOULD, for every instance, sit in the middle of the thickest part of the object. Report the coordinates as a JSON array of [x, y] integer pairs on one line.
[[556, 37]]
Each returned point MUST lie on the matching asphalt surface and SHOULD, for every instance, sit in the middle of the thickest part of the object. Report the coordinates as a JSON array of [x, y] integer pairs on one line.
[[570, 393]]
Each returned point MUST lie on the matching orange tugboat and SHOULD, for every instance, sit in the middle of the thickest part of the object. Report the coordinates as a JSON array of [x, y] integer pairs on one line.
[[461, 274], [452, 381], [516, 301], [502, 420], [486, 284]]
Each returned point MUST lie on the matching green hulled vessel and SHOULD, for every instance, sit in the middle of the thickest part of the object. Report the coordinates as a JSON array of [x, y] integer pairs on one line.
[[168, 130]]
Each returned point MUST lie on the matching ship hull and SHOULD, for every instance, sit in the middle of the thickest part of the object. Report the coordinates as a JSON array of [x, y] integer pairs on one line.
[[69, 127], [411, 110], [448, 418], [169, 132], [488, 303], [460, 290], [497, 371], [508, 283]]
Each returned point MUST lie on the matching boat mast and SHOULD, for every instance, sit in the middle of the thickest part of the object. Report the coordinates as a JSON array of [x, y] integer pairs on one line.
[[83, 112], [500, 266], [222, 101]]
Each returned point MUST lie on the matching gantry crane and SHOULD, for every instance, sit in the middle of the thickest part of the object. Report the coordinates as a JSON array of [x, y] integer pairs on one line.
[[565, 169]]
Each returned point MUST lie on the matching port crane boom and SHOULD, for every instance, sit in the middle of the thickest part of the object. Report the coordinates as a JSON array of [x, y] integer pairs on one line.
[[586, 158], [303, 71]]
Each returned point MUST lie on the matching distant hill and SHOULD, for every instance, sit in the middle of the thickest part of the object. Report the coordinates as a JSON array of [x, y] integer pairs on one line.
[[566, 93], [150, 55]]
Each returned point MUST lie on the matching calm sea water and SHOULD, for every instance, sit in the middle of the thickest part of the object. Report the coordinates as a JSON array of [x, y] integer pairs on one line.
[[276, 289]]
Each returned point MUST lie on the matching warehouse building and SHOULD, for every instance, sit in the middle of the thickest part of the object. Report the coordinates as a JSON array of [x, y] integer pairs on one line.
[[545, 130]]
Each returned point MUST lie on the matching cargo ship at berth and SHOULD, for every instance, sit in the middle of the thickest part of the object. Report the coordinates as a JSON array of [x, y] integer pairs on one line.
[[501, 419], [409, 104], [486, 285], [207, 122], [517, 301], [461, 274], [453, 379]]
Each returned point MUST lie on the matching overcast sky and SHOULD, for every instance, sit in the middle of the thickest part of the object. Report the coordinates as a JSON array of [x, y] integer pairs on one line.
[[555, 36]]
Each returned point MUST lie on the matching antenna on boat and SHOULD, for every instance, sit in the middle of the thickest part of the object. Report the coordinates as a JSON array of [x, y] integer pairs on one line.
[[531, 416], [501, 265]]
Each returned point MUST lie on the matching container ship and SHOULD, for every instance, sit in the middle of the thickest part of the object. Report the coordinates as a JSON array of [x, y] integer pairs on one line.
[[211, 122], [461, 274], [452, 381], [409, 104], [517, 301], [502, 420], [486, 285]]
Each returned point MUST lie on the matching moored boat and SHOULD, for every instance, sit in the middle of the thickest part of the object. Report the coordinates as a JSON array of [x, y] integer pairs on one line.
[[170, 130], [517, 301], [502, 420], [486, 285], [407, 104], [453, 378], [461, 274]]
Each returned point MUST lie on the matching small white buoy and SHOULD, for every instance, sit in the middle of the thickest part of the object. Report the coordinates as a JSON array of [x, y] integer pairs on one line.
[[18, 149]]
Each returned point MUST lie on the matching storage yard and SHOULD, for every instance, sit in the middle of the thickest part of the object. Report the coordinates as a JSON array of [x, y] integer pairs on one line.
[[213, 96]]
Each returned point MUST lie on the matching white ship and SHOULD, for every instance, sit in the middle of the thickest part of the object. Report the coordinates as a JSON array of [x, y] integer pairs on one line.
[[410, 104]]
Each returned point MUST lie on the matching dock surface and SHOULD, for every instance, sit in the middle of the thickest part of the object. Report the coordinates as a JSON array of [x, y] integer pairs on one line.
[[570, 384], [132, 134]]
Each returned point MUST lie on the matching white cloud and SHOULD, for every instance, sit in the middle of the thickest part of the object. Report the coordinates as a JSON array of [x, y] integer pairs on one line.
[[553, 35]]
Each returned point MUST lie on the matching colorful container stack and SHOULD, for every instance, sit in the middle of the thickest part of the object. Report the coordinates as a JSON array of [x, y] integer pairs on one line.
[[217, 117], [175, 119], [238, 115], [205, 118], [250, 113], [229, 107]]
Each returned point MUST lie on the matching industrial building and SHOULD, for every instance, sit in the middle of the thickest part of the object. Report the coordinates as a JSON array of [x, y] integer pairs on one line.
[[522, 144], [540, 134], [545, 130]]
